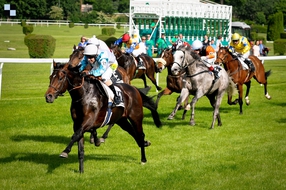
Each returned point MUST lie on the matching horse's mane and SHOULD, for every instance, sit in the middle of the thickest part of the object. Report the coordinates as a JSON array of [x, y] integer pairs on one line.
[[187, 49]]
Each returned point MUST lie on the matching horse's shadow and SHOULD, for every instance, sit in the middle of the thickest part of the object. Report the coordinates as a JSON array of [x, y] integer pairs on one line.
[[53, 161]]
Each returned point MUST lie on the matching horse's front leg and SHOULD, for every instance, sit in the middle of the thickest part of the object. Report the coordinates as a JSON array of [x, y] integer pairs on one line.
[[193, 103], [76, 137], [81, 154], [184, 94], [166, 91]]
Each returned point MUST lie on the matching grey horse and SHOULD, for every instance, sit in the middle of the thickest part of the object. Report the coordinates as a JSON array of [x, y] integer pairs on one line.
[[200, 82]]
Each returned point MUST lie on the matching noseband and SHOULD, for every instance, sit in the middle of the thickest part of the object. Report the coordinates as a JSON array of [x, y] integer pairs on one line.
[[58, 90]]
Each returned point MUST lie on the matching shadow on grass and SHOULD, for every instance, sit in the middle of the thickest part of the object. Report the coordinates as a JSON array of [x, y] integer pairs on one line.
[[40, 138], [53, 161]]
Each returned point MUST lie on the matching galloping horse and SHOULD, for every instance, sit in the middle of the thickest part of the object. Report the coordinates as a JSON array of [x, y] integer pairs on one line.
[[89, 107], [199, 82], [129, 64], [240, 76], [174, 82], [76, 57]]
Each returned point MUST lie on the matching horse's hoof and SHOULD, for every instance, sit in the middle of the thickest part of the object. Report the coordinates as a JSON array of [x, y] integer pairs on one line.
[[91, 140], [147, 143], [159, 88], [143, 163], [99, 141], [192, 123], [64, 155], [170, 117]]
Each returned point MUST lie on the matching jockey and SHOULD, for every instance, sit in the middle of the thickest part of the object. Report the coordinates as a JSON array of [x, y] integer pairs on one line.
[[207, 54], [103, 64], [101, 45], [132, 47], [240, 47]]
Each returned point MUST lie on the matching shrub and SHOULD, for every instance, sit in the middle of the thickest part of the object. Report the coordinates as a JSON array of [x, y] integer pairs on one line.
[[259, 28], [108, 31], [41, 46], [279, 46], [27, 29], [283, 35], [26, 38], [253, 35], [85, 25], [71, 24]]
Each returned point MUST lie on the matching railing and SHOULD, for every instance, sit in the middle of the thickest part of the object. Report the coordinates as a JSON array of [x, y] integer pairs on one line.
[[36, 22], [63, 60]]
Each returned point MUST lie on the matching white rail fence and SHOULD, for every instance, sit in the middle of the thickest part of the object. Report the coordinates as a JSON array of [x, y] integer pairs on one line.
[[63, 60]]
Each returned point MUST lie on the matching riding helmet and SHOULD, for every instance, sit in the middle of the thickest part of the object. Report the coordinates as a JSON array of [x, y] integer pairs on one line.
[[235, 36], [197, 44], [90, 50], [125, 37]]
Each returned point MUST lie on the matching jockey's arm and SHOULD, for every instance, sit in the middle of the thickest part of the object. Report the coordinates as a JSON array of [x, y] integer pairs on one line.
[[83, 64], [118, 41]]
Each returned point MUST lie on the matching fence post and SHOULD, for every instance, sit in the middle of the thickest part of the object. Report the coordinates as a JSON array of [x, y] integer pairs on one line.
[[1, 66]]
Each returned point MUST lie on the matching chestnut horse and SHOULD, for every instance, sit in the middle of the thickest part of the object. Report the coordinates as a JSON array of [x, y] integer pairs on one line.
[[129, 64], [240, 76], [174, 82], [90, 109]]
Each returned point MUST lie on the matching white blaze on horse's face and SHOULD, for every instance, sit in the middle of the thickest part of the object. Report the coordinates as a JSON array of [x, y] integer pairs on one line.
[[179, 57]]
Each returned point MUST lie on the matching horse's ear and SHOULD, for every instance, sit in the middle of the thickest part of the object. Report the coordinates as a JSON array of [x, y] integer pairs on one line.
[[74, 47], [54, 63]]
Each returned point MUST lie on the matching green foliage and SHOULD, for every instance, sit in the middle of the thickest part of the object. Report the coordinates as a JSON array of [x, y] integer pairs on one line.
[[118, 25], [260, 18], [71, 24], [108, 31], [253, 35], [27, 29], [26, 38], [259, 28], [275, 26], [56, 13], [41, 46], [122, 18], [283, 35], [85, 25], [23, 23], [280, 46]]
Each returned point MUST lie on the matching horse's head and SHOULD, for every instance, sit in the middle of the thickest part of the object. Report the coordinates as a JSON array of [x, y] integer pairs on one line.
[[165, 60], [183, 57], [60, 80], [223, 56], [76, 57], [116, 50]]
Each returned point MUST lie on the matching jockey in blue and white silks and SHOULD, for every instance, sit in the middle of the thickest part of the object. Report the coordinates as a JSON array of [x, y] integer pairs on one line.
[[103, 64]]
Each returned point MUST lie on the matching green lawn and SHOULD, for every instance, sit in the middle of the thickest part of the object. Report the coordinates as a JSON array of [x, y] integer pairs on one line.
[[248, 152]]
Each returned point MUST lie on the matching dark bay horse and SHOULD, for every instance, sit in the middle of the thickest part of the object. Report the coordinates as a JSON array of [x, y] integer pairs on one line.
[[89, 108], [240, 76], [199, 82], [129, 64], [76, 57], [174, 82]]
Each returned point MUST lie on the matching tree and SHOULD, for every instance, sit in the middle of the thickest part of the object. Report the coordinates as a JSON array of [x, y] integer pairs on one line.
[[30, 9], [56, 13]]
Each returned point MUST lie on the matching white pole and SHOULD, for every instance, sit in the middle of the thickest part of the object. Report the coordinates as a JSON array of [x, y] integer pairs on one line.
[[1, 66], [52, 68], [157, 80]]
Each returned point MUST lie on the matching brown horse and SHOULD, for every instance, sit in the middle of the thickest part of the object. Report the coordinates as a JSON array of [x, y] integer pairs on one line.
[[128, 62], [240, 76], [75, 58], [90, 108], [174, 82]]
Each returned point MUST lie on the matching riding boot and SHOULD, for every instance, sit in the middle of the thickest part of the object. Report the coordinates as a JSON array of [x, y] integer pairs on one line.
[[140, 64], [116, 99], [216, 72], [250, 65]]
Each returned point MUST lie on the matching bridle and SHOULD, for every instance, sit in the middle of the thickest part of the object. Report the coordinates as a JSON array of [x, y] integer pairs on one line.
[[184, 67], [65, 78]]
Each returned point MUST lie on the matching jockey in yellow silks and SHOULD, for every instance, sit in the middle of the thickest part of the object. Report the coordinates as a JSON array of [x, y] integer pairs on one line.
[[132, 47], [240, 47]]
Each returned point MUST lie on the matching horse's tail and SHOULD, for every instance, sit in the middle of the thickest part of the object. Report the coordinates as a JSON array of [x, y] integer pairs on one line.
[[231, 90], [267, 74], [151, 105]]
